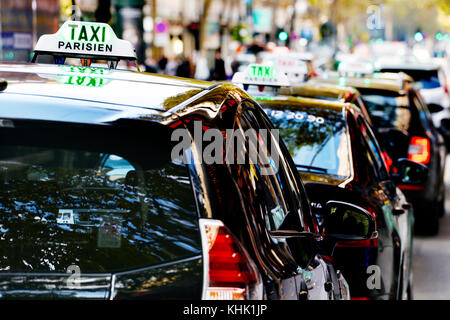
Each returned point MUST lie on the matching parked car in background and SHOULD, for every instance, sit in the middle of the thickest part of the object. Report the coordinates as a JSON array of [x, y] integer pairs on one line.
[[431, 79], [404, 128], [338, 157], [326, 91]]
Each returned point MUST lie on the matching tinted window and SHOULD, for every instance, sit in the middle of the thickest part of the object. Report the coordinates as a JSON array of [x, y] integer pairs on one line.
[[277, 195], [364, 167], [275, 189], [64, 200], [374, 148], [388, 109], [315, 137]]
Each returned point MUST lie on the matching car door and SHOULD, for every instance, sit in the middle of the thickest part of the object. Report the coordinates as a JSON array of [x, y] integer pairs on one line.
[[404, 219], [367, 184], [315, 272], [399, 225]]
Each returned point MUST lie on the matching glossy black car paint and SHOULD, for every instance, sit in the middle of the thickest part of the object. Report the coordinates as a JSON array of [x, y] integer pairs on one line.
[[395, 137], [368, 186], [43, 96], [428, 199]]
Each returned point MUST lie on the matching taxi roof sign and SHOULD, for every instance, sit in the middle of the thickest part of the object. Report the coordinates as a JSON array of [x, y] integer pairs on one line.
[[261, 75], [90, 40]]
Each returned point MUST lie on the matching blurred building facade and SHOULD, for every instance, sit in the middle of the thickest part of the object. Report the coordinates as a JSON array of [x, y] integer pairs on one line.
[[22, 22], [170, 28]]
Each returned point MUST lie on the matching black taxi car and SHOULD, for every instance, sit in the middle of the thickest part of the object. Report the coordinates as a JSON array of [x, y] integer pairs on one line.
[[404, 128], [99, 198], [339, 159]]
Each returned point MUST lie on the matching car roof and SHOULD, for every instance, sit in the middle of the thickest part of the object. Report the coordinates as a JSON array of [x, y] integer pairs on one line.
[[93, 95], [308, 102], [391, 82], [406, 65], [313, 88]]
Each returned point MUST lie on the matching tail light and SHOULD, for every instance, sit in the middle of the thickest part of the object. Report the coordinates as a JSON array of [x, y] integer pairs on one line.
[[419, 150], [230, 273], [360, 298], [369, 243]]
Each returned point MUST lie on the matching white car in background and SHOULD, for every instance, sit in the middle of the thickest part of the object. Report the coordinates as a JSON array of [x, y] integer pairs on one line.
[[431, 80]]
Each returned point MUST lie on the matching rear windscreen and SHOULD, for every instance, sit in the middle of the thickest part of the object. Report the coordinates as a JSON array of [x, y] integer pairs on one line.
[[106, 203], [387, 109]]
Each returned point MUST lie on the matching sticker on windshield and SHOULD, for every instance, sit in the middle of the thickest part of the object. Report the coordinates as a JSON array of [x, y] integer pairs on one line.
[[65, 216], [294, 115], [110, 232]]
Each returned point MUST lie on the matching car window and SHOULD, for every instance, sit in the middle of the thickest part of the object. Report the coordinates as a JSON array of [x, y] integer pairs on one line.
[[70, 201], [360, 104], [423, 112], [375, 152], [315, 137], [364, 167], [276, 194], [282, 213], [388, 109]]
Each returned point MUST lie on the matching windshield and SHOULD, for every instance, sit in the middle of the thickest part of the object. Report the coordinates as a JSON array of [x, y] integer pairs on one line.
[[387, 109], [75, 203], [315, 137]]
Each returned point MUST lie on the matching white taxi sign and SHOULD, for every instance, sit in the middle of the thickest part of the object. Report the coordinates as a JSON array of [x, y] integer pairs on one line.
[[261, 75], [80, 39]]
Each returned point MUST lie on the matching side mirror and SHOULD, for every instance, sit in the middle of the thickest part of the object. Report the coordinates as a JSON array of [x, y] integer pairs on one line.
[[435, 108], [345, 221], [410, 172]]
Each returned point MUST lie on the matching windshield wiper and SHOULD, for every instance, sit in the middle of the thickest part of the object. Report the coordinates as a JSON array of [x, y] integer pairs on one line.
[[311, 168]]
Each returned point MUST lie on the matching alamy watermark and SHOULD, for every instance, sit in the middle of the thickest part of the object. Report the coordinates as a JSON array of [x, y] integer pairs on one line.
[[73, 281], [256, 147], [374, 280]]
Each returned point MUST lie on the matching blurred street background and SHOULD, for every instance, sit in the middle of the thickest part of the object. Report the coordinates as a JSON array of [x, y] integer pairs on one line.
[[187, 37], [431, 254]]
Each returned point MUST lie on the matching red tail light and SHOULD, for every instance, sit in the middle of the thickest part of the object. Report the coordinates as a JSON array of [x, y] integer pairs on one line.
[[419, 150], [370, 243], [230, 273], [360, 298]]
